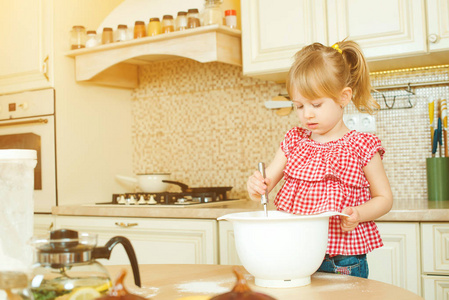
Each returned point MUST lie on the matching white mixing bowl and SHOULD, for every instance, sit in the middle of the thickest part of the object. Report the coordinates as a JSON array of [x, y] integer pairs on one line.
[[281, 250]]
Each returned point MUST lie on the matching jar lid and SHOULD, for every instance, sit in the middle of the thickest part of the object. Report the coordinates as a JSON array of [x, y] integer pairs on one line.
[[154, 20], [12, 280], [122, 26], [167, 17], [182, 13], [78, 27], [18, 154], [230, 12], [139, 23], [193, 10], [107, 29], [91, 32]]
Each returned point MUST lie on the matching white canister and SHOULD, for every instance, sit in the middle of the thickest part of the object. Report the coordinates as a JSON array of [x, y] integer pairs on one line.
[[16, 208]]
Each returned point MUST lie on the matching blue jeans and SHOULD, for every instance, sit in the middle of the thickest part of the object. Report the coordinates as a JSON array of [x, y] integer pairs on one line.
[[354, 265]]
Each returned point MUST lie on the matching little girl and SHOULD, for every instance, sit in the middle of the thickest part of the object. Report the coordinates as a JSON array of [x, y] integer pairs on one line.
[[326, 166]]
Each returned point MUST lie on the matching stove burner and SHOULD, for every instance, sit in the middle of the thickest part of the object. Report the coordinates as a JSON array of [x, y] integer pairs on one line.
[[183, 198]]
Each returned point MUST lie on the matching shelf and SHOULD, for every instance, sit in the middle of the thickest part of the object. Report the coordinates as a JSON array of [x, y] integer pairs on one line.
[[117, 64]]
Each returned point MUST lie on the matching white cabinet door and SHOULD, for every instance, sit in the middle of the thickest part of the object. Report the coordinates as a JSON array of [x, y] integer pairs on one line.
[[398, 261], [438, 24], [26, 35], [273, 31], [155, 241], [436, 287], [383, 28], [228, 253], [435, 248]]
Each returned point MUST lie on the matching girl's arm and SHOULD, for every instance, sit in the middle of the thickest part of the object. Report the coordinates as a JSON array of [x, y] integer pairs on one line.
[[257, 185], [381, 197]]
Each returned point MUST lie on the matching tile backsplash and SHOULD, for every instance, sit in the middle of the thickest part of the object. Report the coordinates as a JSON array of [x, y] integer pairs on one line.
[[207, 125]]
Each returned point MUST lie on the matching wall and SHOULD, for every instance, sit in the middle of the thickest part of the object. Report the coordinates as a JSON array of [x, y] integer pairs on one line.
[[93, 122], [206, 124]]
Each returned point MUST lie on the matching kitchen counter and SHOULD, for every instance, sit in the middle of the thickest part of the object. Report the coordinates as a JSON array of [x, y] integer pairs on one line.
[[426, 211], [170, 282]]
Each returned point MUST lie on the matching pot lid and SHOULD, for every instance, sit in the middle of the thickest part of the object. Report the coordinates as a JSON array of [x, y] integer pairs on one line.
[[66, 240], [65, 247]]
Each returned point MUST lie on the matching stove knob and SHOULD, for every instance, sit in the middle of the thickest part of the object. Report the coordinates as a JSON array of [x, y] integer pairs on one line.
[[152, 201], [141, 200], [132, 200], [122, 200]]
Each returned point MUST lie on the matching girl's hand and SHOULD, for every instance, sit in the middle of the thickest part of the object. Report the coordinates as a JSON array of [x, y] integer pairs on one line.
[[351, 222], [257, 185]]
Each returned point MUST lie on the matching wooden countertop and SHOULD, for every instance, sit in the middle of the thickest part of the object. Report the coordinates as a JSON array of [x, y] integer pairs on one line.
[[425, 211], [170, 282]]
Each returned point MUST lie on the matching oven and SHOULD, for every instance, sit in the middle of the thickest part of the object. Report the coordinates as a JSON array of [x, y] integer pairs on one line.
[[27, 121]]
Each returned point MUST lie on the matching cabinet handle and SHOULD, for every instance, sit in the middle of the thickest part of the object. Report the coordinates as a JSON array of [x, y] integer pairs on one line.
[[121, 224], [433, 38], [45, 68]]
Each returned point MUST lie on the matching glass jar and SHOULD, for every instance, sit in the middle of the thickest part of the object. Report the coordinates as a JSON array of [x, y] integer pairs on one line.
[[121, 34], [139, 29], [212, 13], [231, 18], [193, 18], [181, 21], [107, 36], [77, 37], [92, 39], [14, 286], [154, 27], [168, 24]]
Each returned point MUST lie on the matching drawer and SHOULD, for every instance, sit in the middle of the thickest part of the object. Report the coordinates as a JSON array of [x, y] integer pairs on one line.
[[435, 248]]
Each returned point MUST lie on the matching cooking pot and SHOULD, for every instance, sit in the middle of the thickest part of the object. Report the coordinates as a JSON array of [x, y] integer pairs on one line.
[[281, 250], [148, 183]]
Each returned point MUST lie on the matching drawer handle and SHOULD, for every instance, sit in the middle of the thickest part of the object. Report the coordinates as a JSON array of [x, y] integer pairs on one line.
[[121, 224]]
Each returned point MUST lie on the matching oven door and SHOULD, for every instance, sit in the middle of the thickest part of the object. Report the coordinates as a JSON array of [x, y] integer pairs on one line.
[[33, 132]]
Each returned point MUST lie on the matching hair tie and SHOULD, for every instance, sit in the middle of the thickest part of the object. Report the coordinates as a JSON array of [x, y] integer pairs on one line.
[[335, 46]]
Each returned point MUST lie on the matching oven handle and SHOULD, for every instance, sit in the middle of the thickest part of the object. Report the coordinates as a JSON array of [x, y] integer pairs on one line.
[[39, 121]]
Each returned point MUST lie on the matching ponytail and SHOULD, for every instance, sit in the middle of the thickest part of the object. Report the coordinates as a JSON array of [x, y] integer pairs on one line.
[[359, 80]]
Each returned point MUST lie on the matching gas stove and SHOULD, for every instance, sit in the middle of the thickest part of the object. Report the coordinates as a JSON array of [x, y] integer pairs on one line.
[[214, 195]]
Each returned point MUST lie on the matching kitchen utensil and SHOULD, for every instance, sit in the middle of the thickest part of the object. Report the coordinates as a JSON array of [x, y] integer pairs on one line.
[[444, 118], [263, 198], [186, 189], [431, 105], [437, 138], [66, 264], [281, 250], [148, 183]]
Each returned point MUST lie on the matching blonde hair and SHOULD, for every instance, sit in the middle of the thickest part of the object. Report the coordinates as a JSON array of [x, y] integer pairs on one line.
[[320, 71]]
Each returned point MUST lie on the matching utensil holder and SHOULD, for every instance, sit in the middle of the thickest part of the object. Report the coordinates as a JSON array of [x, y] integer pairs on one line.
[[437, 178]]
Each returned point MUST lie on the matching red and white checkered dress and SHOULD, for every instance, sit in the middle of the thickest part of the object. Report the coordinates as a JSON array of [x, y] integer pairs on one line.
[[329, 177]]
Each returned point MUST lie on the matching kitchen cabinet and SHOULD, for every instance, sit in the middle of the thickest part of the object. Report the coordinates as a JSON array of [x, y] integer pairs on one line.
[[273, 31], [393, 34], [435, 260], [438, 24], [26, 62], [383, 28], [155, 241], [398, 261], [228, 253], [117, 64]]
